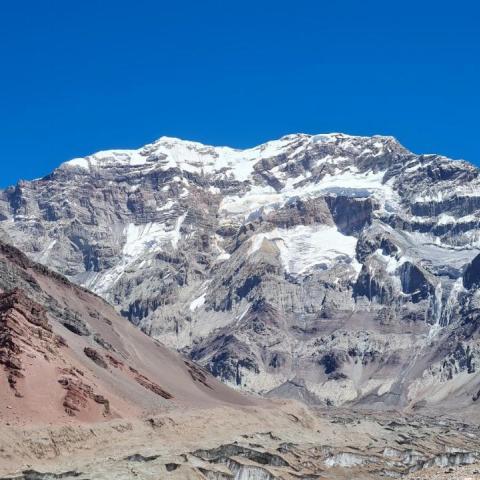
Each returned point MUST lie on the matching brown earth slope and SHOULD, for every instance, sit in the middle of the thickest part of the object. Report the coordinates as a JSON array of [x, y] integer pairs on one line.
[[66, 355]]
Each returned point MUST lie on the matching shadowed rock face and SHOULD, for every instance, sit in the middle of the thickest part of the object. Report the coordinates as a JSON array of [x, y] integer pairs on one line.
[[262, 263], [471, 277]]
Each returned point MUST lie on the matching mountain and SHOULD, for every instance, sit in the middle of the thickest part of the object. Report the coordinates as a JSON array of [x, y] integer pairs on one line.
[[329, 268], [84, 394]]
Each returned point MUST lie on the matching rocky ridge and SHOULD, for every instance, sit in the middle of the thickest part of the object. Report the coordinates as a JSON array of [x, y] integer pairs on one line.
[[23, 325]]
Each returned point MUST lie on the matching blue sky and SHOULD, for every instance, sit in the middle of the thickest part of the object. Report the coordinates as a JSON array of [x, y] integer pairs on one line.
[[77, 77]]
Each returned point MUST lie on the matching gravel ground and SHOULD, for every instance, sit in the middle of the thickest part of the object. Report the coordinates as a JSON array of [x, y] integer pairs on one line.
[[468, 472]]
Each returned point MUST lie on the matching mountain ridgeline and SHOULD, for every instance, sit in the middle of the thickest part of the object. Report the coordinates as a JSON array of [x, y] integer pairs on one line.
[[329, 268]]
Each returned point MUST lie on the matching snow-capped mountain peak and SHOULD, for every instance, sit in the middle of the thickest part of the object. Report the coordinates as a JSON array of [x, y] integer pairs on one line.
[[304, 257]]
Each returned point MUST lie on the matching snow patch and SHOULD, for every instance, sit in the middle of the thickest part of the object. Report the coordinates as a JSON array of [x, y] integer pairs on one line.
[[78, 162], [261, 199], [197, 303], [304, 247], [140, 241], [150, 236]]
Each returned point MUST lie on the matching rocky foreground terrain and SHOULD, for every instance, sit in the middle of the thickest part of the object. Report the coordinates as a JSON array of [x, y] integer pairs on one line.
[[285, 441], [329, 268]]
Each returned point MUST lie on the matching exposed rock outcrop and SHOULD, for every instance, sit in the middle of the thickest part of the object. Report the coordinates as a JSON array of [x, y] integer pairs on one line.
[[24, 327]]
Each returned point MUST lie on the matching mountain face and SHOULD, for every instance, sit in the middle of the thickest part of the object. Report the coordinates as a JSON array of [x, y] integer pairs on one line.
[[329, 268]]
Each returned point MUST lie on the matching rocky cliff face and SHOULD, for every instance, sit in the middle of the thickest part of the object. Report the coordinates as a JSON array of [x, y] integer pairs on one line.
[[330, 268]]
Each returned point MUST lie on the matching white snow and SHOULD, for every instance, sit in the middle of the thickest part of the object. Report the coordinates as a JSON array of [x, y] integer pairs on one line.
[[140, 241], [330, 137], [197, 303], [78, 162], [413, 168], [107, 158], [345, 460], [240, 317], [443, 192], [324, 138], [43, 257], [150, 236], [445, 219], [222, 257], [167, 206], [260, 199], [304, 247], [193, 157], [391, 263]]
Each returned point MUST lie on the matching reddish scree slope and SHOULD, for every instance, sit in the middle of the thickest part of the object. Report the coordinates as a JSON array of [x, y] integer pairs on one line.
[[66, 355]]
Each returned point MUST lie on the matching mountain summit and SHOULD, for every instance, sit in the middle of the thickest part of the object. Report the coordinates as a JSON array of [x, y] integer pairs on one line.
[[332, 268]]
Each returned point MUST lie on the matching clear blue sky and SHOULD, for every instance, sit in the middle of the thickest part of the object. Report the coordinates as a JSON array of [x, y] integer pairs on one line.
[[76, 77]]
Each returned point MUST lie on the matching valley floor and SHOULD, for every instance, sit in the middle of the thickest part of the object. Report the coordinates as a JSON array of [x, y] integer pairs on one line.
[[280, 440], [468, 472]]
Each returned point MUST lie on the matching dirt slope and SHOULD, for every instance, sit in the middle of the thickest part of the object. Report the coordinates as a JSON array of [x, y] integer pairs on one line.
[[67, 356]]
